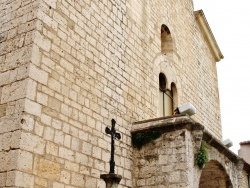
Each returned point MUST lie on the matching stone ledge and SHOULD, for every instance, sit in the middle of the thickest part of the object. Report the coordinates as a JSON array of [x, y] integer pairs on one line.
[[169, 123]]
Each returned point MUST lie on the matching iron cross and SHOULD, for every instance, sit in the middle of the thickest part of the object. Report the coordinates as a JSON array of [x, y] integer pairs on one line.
[[114, 135]]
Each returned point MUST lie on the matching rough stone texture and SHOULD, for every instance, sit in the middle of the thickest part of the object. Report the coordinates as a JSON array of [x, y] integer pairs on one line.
[[68, 67], [244, 179], [169, 161]]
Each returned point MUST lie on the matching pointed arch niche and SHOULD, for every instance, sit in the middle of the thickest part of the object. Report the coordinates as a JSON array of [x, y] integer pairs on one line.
[[166, 40]]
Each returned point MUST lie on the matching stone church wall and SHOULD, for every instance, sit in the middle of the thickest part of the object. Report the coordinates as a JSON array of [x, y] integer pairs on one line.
[[68, 67]]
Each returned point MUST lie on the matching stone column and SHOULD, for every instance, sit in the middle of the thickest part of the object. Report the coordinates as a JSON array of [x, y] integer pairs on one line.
[[111, 180]]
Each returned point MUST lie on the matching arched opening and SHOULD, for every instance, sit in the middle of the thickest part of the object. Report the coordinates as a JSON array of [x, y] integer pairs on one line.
[[166, 40], [165, 97], [214, 176]]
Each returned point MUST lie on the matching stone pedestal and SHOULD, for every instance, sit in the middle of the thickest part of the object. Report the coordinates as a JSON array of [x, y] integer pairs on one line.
[[111, 180]]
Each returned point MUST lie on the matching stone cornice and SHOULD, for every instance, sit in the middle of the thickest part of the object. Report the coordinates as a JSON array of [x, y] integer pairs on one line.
[[169, 123], [208, 35]]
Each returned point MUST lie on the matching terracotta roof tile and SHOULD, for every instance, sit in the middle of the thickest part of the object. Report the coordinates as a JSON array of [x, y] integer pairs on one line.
[[245, 142]]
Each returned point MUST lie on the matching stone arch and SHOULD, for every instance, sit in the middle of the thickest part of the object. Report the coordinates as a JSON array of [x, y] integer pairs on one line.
[[167, 44], [214, 175], [164, 61], [165, 97], [164, 64], [164, 30]]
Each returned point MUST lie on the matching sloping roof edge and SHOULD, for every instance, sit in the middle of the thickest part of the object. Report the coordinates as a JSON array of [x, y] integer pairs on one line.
[[208, 35]]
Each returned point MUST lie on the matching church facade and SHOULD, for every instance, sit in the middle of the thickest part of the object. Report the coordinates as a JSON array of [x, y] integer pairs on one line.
[[68, 67]]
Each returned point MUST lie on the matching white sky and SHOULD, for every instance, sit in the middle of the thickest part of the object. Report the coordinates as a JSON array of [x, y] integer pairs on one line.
[[229, 21]]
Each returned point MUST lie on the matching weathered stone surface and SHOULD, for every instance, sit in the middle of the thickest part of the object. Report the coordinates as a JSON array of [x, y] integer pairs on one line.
[[19, 179], [48, 169], [173, 155], [68, 67], [3, 179]]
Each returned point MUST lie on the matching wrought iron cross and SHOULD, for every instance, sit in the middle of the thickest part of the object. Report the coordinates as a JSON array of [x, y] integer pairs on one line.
[[114, 135]]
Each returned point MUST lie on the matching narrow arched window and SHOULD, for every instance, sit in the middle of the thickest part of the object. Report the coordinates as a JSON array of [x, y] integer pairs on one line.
[[166, 40], [165, 97]]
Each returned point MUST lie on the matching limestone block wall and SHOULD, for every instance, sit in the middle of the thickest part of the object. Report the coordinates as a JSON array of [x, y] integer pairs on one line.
[[244, 180], [68, 67]]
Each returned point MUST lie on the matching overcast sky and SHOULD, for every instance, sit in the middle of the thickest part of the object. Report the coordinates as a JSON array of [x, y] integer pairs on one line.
[[229, 21]]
